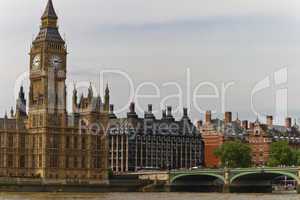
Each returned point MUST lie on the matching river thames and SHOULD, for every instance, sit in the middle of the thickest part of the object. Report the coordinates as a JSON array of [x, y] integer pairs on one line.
[[146, 196]]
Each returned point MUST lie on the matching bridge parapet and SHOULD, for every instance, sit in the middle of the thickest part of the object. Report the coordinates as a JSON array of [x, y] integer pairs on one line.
[[292, 172], [228, 176]]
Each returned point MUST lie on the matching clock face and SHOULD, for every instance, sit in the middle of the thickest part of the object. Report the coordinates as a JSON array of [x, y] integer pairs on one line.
[[55, 61], [36, 62]]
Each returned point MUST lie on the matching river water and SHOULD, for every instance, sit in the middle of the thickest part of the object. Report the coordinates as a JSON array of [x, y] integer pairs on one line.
[[145, 196]]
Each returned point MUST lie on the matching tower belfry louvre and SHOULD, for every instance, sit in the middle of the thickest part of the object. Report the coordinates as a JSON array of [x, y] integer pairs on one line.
[[46, 141]]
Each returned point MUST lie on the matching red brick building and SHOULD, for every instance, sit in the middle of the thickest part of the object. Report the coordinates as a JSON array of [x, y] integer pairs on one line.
[[215, 132], [262, 135], [258, 135], [212, 139], [259, 140]]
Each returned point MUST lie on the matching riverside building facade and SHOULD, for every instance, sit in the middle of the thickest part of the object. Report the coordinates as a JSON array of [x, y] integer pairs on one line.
[[148, 143], [259, 136]]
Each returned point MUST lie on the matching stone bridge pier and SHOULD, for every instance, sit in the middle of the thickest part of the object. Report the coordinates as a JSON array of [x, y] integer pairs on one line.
[[226, 186]]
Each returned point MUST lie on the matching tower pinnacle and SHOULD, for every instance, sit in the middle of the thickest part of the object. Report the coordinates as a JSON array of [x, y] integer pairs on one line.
[[107, 89], [49, 29], [49, 11], [106, 98]]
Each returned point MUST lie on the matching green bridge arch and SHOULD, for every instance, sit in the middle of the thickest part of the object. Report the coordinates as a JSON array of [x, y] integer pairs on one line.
[[197, 174], [291, 175]]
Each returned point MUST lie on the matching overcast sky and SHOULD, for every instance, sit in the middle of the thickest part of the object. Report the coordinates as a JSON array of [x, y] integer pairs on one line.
[[218, 40]]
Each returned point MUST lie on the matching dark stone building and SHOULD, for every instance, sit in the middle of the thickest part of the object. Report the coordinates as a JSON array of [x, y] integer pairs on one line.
[[149, 143]]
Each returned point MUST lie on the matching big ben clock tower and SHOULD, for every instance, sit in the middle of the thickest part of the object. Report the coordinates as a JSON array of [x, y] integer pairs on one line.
[[48, 60]]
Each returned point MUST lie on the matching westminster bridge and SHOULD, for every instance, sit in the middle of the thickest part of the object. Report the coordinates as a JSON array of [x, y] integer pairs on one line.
[[260, 179]]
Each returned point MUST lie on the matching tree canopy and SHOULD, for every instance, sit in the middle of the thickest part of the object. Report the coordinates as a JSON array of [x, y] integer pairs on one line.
[[282, 154], [234, 154]]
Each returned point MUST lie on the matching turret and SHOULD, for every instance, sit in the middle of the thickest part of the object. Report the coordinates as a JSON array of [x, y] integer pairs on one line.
[[81, 101], [12, 112], [111, 112], [90, 93], [98, 103], [106, 99], [21, 104], [74, 100]]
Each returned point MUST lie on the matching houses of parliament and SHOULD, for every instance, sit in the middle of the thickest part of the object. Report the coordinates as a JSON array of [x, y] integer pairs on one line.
[[45, 141]]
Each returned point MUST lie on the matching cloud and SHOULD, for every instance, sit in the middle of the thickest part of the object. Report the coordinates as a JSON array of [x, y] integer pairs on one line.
[[149, 11], [157, 11], [220, 40]]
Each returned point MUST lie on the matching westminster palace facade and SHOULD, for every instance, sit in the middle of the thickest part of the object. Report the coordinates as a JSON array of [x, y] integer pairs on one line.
[[45, 141]]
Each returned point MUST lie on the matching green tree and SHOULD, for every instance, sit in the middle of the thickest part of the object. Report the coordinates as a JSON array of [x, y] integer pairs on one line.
[[234, 154], [110, 173], [296, 156], [282, 154]]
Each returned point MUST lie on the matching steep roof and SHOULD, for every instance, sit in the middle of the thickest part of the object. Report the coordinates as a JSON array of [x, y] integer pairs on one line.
[[49, 11], [49, 34]]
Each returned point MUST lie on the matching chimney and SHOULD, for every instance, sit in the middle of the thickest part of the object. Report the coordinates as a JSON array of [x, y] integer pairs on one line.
[[132, 113], [251, 125], [164, 115], [245, 124], [149, 108], [269, 120], [208, 117], [288, 122], [132, 107], [199, 124], [148, 114], [228, 117], [169, 111], [185, 112], [111, 108]]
